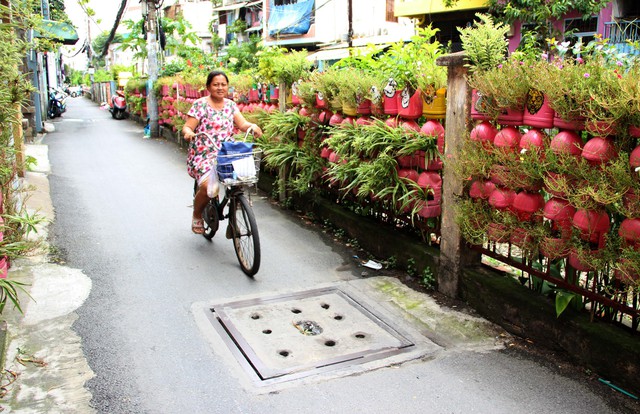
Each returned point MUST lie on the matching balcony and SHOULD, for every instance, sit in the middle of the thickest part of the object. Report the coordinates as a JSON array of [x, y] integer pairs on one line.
[[621, 33]]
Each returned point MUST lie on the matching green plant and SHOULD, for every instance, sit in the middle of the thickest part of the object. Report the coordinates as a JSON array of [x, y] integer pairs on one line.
[[428, 279], [506, 83], [485, 43], [411, 266]]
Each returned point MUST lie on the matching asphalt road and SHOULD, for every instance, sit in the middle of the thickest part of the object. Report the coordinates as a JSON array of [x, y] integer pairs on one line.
[[122, 207]]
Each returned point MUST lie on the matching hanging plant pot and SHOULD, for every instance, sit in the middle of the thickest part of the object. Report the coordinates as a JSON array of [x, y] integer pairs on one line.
[[432, 180], [499, 174], [498, 233], [409, 174], [581, 266], [630, 232], [485, 133], [409, 104], [336, 119], [634, 131], [435, 107], [560, 212], [364, 108], [554, 248], [592, 224], [349, 110], [522, 238], [537, 112], [390, 98], [392, 122], [348, 120], [410, 125], [626, 273], [364, 120], [481, 189], [253, 95], [599, 151], [567, 142], [601, 128], [528, 206], [502, 198], [325, 116], [634, 158], [507, 138], [556, 184], [320, 101], [576, 124], [478, 111], [533, 139], [512, 117], [434, 128], [429, 210]]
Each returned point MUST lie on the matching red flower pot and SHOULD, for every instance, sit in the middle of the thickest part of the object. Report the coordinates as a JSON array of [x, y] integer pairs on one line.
[[484, 132], [569, 124], [364, 108], [537, 112], [409, 105], [364, 120], [410, 125], [553, 181], [507, 138], [526, 205], [532, 139], [477, 110], [601, 128], [567, 142], [634, 131], [502, 198], [325, 116], [434, 128], [554, 248], [348, 120], [599, 150], [320, 102], [634, 158], [593, 225], [304, 112], [579, 265], [392, 122], [630, 232], [481, 189], [432, 180], [512, 117], [498, 233], [559, 211], [522, 238], [408, 173], [336, 119]]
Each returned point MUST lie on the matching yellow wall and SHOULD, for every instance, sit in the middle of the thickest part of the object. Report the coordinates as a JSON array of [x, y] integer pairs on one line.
[[419, 7]]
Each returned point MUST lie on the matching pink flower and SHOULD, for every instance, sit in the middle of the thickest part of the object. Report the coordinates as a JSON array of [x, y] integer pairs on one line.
[[545, 56], [587, 76], [579, 60], [619, 63], [500, 66]]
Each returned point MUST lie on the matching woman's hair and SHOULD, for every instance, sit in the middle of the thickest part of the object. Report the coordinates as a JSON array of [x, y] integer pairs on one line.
[[215, 73]]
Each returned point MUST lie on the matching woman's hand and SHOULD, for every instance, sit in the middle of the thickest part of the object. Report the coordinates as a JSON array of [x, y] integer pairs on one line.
[[257, 132], [188, 133]]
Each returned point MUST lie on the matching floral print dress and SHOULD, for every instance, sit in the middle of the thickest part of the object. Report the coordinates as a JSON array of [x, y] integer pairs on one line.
[[217, 123]]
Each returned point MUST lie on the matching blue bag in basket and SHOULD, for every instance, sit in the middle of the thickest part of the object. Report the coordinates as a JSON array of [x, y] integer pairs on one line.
[[229, 152]]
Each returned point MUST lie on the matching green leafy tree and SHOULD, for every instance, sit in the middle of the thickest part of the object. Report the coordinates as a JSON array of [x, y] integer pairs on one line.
[[243, 56], [99, 42], [540, 13], [177, 32]]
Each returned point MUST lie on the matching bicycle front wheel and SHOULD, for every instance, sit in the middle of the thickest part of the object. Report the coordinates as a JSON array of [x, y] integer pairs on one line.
[[244, 230]]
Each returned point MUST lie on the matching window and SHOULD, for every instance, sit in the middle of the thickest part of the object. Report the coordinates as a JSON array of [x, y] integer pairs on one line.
[[579, 28], [284, 2], [390, 17]]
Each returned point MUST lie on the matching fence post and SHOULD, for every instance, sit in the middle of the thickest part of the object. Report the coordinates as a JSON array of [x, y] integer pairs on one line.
[[454, 254]]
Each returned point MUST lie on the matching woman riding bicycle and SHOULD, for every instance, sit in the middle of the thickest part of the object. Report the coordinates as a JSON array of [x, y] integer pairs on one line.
[[217, 116]]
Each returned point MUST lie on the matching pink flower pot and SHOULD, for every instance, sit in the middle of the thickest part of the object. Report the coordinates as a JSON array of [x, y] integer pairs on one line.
[[572, 125], [537, 112], [477, 112], [409, 105], [512, 117]]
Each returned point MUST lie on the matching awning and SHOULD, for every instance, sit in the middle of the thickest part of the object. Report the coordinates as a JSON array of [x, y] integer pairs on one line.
[[254, 29], [60, 31], [234, 6], [254, 3], [338, 53]]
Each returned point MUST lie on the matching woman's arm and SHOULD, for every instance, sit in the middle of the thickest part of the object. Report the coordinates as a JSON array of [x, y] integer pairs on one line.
[[188, 130], [243, 125]]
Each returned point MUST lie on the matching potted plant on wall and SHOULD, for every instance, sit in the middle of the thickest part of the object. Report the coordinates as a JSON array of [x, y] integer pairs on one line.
[[486, 47]]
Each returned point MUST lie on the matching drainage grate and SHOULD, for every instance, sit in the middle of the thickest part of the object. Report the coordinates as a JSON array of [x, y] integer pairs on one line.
[[290, 336]]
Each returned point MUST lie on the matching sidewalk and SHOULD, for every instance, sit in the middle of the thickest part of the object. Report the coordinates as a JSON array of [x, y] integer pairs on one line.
[[43, 354]]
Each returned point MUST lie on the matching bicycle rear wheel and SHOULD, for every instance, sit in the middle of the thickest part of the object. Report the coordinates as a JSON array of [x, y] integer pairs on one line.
[[244, 230]]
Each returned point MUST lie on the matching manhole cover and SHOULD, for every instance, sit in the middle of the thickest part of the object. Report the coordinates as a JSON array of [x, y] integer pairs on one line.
[[284, 337]]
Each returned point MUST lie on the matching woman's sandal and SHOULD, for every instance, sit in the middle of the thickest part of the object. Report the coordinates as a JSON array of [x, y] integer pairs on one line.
[[197, 226]]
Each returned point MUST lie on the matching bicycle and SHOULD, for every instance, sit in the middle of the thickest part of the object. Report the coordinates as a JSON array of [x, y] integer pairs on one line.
[[235, 206]]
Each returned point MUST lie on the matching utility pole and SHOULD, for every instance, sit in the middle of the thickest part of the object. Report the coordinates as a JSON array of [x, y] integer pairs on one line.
[[152, 58]]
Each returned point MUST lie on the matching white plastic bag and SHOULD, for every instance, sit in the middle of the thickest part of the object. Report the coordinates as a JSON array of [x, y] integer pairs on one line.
[[212, 183]]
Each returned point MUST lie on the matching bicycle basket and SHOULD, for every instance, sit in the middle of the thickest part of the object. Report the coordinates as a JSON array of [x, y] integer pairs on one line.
[[237, 162]]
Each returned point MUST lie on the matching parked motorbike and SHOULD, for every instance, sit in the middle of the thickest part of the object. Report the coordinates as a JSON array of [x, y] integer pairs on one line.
[[57, 103], [118, 106]]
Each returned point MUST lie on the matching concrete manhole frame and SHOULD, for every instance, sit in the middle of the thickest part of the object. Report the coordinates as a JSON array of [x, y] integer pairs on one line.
[[410, 344]]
